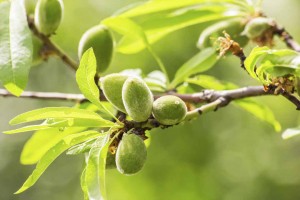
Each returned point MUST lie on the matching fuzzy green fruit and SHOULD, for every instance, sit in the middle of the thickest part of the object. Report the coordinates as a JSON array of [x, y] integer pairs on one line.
[[169, 110], [137, 99], [131, 154], [100, 39], [210, 35], [48, 15], [257, 26], [112, 87]]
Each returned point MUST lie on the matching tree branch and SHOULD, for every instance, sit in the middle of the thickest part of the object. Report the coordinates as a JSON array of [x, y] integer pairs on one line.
[[51, 47], [45, 95], [287, 38]]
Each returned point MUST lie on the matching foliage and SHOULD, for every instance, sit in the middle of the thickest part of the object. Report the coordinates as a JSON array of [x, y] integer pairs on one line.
[[95, 128]]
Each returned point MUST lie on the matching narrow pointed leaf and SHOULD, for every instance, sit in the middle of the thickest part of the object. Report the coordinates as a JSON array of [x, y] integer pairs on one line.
[[42, 140], [95, 169], [201, 62], [15, 47], [61, 113], [85, 77], [53, 153]]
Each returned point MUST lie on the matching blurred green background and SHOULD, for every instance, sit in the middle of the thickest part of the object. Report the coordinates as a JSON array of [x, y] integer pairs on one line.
[[228, 155]]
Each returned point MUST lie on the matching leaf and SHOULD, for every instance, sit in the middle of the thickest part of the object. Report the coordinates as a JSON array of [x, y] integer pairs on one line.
[[95, 169], [260, 111], [210, 82], [73, 115], [85, 77], [290, 132], [156, 6], [42, 126], [164, 22], [263, 63], [53, 153], [41, 141], [201, 62], [15, 47], [81, 148], [83, 185], [156, 81]]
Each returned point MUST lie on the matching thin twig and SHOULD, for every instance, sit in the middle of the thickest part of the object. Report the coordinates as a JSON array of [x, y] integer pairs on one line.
[[287, 37], [50, 46], [45, 95]]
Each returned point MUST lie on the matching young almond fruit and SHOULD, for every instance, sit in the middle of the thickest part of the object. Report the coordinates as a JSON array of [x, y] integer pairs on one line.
[[137, 99], [48, 15], [100, 39], [131, 154], [169, 110], [112, 88]]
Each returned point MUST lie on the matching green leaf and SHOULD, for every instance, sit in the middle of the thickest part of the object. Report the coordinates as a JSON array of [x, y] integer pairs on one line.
[[95, 169], [83, 185], [161, 24], [260, 111], [81, 148], [210, 82], [132, 30], [53, 153], [44, 125], [263, 63], [15, 47], [290, 132], [41, 141], [201, 62], [85, 77], [156, 6], [156, 81], [73, 115]]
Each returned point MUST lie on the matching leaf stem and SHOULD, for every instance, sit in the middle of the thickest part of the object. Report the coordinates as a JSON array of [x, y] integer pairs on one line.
[[159, 62]]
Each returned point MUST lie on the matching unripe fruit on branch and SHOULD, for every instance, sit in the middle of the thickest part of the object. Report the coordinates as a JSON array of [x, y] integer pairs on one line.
[[131, 154], [137, 99], [112, 88], [257, 26], [48, 15], [100, 39], [169, 110]]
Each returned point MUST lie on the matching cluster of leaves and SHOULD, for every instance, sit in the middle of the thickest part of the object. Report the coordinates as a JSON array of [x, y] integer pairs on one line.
[[87, 127]]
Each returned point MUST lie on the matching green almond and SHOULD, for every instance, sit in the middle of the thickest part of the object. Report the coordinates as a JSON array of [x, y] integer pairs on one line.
[[131, 154], [169, 110], [48, 16], [100, 39], [112, 88], [137, 99]]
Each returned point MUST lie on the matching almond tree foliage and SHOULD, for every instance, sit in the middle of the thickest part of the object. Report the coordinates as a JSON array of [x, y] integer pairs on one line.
[[112, 119]]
